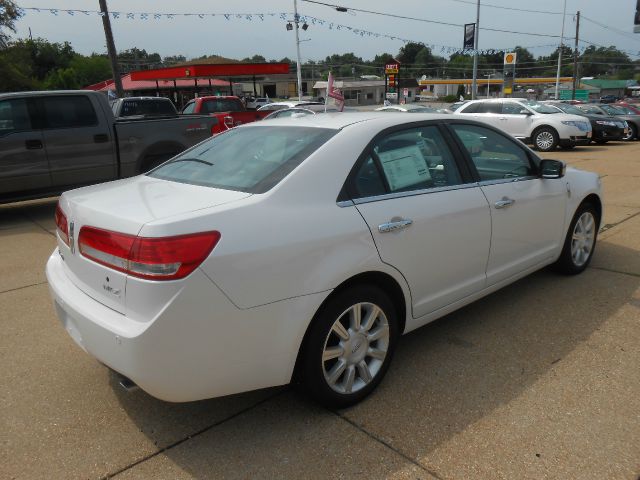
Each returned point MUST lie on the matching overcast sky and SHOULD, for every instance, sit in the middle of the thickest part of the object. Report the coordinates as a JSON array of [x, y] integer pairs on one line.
[[239, 38]]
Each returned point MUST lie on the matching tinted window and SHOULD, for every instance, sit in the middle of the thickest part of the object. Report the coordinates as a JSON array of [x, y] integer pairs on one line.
[[489, 107], [220, 105], [68, 111], [412, 159], [152, 108], [246, 159], [494, 155], [14, 116]]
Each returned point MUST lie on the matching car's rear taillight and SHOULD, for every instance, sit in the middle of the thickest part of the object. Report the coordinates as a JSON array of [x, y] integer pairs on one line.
[[162, 258], [61, 224]]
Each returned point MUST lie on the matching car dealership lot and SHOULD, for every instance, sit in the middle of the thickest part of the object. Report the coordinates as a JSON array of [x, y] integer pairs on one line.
[[538, 380]]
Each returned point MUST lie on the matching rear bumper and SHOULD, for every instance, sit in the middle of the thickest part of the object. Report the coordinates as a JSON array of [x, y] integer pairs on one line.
[[199, 346]]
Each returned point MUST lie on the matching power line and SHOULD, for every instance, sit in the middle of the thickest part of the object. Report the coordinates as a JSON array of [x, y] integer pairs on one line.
[[438, 22], [469, 2], [612, 29]]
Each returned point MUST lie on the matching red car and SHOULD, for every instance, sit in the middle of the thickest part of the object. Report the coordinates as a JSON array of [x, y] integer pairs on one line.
[[629, 108]]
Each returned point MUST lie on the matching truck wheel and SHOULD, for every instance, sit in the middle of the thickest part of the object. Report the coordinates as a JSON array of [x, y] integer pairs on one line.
[[152, 161], [545, 139]]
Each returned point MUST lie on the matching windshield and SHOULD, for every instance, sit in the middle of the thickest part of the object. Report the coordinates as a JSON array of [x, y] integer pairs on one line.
[[590, 109], [612, 110], [539, 107], [252, 159], [566, 108]]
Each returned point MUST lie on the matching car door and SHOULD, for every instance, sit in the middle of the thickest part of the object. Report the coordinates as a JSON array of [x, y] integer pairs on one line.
[[483, 111], [513, 121], [527, 212], [427, 219], [80, 149], [23, 161]]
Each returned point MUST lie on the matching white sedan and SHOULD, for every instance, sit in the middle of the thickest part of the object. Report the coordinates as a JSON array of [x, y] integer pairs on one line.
[[307, 246]]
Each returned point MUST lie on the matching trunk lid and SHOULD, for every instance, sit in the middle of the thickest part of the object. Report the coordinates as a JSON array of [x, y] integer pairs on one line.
[[125, 206]]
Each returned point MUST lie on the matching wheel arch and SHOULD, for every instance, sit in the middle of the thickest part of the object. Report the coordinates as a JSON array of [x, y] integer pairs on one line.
[[594, 200], [382, 280], [156, 151]]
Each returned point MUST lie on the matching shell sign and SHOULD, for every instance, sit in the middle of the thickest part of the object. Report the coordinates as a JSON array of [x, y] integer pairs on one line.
[[510, 58]]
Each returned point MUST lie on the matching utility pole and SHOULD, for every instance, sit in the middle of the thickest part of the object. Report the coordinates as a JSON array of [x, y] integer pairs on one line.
[[111, 48], [474, 85], [564, 13], [575, 57], [296, 20]]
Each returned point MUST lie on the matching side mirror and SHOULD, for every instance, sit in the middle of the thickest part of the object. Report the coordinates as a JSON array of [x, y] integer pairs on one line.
[[524, 111], [552, 169]]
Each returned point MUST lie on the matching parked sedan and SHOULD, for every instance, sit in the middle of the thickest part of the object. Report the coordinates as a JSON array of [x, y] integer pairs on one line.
[[308, 245], [606, 110], [604, 129]]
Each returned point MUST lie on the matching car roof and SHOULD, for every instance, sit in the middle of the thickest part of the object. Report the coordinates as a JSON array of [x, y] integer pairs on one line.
[[339, 120]]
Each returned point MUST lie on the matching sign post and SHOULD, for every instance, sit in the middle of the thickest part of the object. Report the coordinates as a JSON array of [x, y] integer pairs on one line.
[[391, 71], [509, 73]]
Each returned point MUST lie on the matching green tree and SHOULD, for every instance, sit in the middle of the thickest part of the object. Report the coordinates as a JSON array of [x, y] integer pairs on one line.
[[408, 52], [9, 13]]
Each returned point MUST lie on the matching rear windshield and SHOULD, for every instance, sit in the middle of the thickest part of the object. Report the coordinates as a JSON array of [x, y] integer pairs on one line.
[[221, 105], [152, 108], [251, 159]]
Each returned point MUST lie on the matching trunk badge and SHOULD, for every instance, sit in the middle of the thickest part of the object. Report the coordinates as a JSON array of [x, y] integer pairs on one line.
[[72, 242]]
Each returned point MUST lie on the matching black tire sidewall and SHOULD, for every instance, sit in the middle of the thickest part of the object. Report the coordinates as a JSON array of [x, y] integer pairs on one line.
[[312, 373]]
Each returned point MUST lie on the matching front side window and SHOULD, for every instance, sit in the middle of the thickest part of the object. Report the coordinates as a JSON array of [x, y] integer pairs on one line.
[[189, 108], [494, 155], [68, 111], [14, 116], [489, 107], [252, 159], [413, 159]]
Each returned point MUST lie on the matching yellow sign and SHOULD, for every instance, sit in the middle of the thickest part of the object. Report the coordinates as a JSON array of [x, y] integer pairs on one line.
[[507, 91], [509, 58], [390, 70]]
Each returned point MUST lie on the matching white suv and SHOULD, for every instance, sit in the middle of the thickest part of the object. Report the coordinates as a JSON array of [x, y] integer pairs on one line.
[[532, 122]]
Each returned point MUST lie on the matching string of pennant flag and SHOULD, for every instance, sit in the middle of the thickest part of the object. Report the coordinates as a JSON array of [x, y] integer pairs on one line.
[[117, 15]]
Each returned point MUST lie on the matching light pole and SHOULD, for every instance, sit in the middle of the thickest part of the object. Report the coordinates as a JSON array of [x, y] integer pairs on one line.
[[474, 86], [296, 20], [489, 75], [564, 12]]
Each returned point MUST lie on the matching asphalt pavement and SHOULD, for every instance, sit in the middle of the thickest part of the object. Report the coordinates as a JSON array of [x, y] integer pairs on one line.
[[539, 380]]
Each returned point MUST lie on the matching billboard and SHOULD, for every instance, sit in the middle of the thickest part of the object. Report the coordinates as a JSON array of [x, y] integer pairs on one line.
[[469, 36]]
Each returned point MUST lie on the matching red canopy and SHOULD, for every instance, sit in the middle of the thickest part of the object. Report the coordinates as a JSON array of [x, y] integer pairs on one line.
[[211, 70], [129, 84]]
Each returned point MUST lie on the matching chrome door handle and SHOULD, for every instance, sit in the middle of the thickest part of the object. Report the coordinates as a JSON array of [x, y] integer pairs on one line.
[[504, 203], [391, 226]]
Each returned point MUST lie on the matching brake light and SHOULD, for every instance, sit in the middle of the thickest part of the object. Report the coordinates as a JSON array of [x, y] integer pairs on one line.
[[162, 258], [61, 224]]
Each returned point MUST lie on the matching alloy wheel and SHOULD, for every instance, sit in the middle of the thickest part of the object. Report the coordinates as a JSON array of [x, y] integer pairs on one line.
[[355, 348], [583, 238]]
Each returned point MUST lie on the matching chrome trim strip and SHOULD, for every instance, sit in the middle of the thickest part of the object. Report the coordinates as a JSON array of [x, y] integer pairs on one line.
[[498, 181], [345, 203], [412, 193]]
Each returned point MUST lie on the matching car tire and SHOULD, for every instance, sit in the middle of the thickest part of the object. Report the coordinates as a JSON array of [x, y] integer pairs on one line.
[[580, 241], [545, 139], [349, 346], [632, 134]]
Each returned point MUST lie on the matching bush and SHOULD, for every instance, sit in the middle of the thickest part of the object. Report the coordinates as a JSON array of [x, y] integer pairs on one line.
[[450, 99]]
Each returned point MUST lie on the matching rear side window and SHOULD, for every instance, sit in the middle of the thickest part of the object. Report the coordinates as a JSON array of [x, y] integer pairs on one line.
[[68, 111], [489, 107], [249, 160], [14, 116]]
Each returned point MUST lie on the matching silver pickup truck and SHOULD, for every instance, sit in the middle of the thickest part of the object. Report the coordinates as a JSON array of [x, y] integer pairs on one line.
[[57, 140]]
